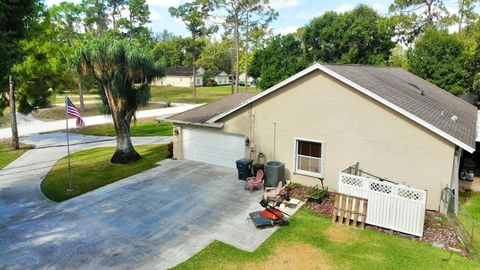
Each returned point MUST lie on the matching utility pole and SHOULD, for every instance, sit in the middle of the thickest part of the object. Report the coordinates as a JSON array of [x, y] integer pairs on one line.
[[246, 54], [13, 113], [461, 11]]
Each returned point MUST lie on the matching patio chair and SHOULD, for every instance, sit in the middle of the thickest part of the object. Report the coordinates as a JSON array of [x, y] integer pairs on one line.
[[273, 193], [254, 182]]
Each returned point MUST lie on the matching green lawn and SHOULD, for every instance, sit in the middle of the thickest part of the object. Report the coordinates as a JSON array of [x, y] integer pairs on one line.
[[7, 155], [92, 169], [5, 118], [143, 127], [313, 242], [184, 94], [75, 98], [469, 218], [58, 112]]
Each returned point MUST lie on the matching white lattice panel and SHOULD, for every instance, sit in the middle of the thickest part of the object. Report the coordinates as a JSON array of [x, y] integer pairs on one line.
[[390, 206]]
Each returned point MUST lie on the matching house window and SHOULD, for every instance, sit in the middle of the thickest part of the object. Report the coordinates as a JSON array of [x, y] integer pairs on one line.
[[309, 157]]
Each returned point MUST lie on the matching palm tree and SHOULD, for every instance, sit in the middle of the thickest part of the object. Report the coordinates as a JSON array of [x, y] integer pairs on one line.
[[123, 74]]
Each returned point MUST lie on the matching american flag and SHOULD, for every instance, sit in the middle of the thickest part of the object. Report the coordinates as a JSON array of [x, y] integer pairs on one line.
[[72, 111]]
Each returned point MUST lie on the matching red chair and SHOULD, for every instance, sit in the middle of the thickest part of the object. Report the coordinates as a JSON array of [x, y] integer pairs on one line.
[[254, 182]]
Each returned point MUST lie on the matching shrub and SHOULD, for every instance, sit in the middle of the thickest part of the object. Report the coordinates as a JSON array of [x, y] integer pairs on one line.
[[170, 150]]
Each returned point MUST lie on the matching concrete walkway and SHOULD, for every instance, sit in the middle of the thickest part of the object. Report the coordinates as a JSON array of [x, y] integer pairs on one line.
[[32, 127]]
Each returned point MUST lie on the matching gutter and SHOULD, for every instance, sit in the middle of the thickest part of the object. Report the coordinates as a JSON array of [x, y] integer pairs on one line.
[[209, 125]]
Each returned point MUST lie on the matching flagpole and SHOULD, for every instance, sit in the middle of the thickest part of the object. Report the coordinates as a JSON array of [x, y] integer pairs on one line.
[[68, 148]]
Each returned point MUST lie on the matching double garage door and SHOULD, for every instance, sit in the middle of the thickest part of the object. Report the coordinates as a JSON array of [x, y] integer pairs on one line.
[[213, 146]]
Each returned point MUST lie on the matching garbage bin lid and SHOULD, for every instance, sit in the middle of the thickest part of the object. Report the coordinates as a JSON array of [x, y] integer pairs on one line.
[[244, 161]]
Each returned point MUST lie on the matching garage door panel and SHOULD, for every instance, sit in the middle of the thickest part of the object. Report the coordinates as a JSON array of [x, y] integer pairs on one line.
[[213, 146]]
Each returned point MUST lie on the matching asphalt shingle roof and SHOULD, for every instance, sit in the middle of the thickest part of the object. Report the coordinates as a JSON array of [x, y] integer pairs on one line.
[[419, 98], [205, 112], [404, 89]]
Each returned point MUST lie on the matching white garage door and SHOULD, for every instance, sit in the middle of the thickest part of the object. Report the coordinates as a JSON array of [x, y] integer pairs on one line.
[[213, 146]]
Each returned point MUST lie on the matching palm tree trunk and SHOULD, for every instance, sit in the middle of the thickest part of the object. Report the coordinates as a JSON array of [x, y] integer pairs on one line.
[[125, 152]]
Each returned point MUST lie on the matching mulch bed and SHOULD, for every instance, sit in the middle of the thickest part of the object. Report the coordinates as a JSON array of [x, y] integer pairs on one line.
[[437, 230]]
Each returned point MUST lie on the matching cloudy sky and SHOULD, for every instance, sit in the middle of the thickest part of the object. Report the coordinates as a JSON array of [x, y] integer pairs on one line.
[[293, 13]]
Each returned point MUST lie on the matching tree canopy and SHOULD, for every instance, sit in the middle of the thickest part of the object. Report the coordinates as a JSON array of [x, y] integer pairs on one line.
[[282, 58], [360, 36], [442, 59], [123, 73]]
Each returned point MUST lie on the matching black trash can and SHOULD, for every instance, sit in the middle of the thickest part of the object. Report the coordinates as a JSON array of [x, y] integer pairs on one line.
[[244, 167]]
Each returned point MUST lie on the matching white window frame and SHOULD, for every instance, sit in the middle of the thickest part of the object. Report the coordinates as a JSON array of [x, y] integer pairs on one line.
[[322, 159]]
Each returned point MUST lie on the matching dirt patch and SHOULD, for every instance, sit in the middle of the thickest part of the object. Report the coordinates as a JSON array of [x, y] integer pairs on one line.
[[340, 234], [293, 256], [437, 229]]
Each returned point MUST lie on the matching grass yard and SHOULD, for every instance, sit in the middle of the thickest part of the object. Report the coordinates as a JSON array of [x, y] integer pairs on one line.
[[313, 242], [5, 119], [7, 155], [58, 112], [470, 219], [91, 169], [142, 127], [75, 98], [184, 94]]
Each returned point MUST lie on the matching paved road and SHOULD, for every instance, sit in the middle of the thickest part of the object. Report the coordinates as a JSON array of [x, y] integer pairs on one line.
[[32, 126]]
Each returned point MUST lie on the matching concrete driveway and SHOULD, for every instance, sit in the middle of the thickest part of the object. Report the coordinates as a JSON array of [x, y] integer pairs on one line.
[[153, 220], [20, 194]]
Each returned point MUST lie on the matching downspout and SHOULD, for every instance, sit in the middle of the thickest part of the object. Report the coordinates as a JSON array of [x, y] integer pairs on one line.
[[274, 136], [250, 127], [454, 181]]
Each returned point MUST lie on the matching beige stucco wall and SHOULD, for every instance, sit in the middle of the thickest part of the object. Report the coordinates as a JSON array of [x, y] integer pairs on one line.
[[179, 81], [354, 128]]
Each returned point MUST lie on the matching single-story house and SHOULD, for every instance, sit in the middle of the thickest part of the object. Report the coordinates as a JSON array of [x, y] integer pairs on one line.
[[222, 78], [327, 117], [241, 78], [180, 77]]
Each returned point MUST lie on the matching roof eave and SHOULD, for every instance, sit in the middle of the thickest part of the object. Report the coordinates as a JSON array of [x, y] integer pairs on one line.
[[180, 122], [330, 72]]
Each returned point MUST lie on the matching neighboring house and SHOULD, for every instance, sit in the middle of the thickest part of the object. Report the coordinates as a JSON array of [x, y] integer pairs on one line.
[[222, 78], [327, 117], [180, 77], [242, 78]]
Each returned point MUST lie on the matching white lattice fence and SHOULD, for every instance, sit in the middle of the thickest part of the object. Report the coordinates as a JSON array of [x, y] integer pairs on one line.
[[391, 206]]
